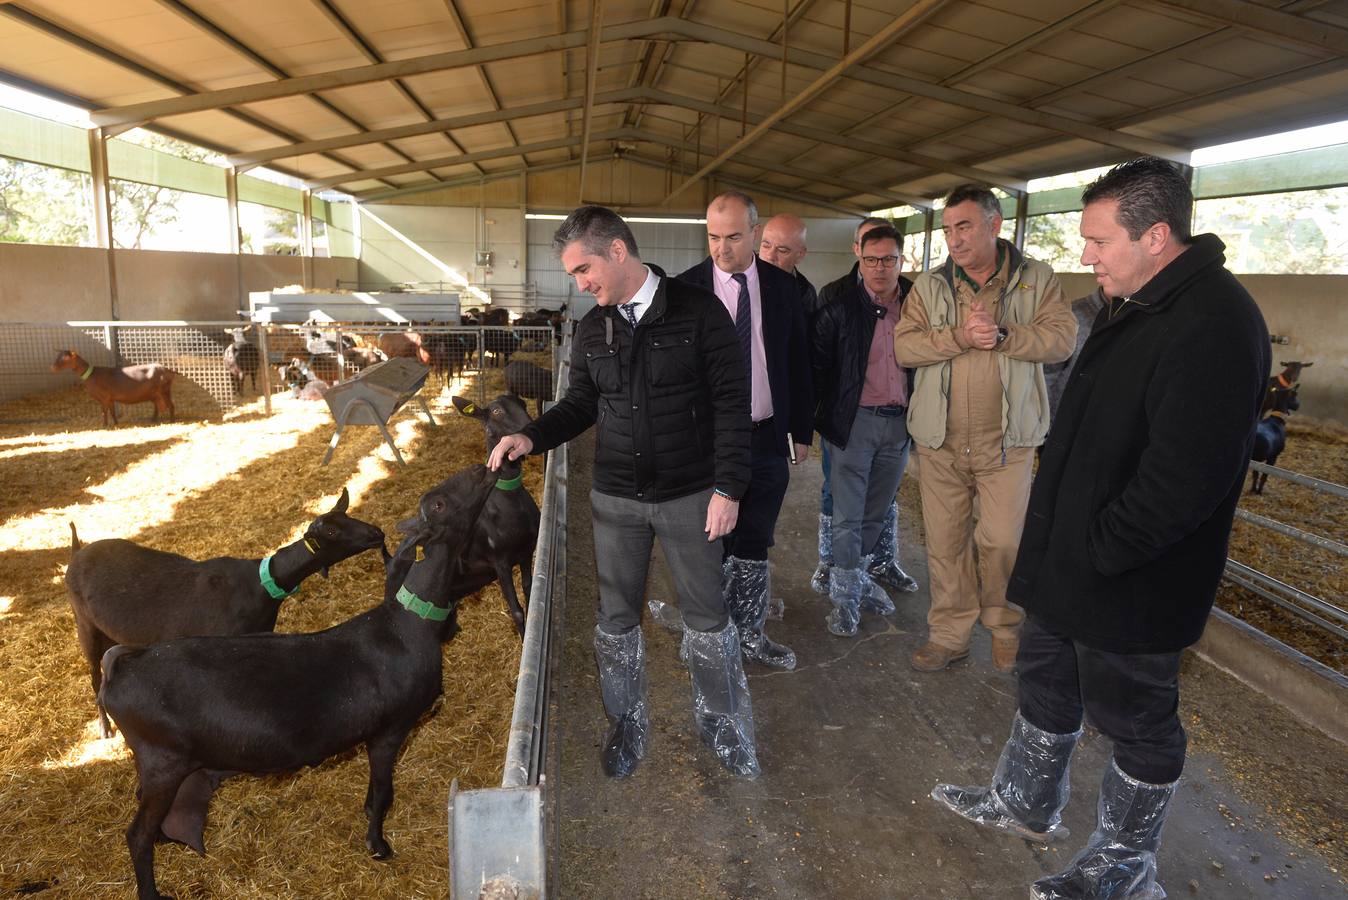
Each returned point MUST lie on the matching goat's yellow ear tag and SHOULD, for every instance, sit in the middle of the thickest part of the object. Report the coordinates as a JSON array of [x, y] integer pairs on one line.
[[421, 556], [469, 409]]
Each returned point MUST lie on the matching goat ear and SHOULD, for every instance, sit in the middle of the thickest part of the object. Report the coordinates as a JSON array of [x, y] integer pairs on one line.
[[343, 502], [468, 407]]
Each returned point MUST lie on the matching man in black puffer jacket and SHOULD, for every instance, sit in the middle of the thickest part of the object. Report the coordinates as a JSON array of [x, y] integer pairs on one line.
[[861, 397], [657, 366], [1126, 534]]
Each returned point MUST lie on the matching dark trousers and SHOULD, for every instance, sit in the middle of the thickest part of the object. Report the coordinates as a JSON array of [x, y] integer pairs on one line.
[[826, 489], [1133, 698], [624, 533], [763, 500]]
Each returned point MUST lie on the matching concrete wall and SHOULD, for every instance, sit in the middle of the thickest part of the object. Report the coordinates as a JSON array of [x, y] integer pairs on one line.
[[1311, 310], [50, 284], [417, 242]]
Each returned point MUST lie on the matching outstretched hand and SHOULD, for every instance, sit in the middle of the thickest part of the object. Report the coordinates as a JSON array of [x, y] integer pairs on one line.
[[510, 447]]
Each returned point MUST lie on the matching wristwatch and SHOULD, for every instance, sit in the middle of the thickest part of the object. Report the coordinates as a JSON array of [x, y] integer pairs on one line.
[[1002, 334]]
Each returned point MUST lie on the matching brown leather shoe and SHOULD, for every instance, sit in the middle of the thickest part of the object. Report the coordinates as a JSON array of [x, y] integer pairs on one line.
[[1004, 653], [933, 657]]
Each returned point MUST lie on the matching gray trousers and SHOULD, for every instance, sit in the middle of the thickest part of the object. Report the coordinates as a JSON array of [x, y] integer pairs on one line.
[[865, 477], [624, 532]]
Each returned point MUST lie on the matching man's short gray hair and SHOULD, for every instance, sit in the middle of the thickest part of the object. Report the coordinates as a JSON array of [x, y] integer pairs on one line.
[[743, 199], [978, 193], [596, 227], [867, 223], [1148, 190]]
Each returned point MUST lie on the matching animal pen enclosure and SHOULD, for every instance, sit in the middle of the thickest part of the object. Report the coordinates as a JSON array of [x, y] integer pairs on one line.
[[462, 358], [227, 478]]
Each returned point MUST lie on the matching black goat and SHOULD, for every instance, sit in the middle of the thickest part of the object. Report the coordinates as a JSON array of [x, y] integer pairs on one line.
[[242, 358], [1270, 436], [123, 593], [501, 343], [198, 710], [1282, 383], [448, 353], [508, 532], [529, 382]]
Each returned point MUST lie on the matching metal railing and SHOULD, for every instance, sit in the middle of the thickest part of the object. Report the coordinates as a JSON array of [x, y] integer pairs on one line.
[[1306, 606], [498, 833]]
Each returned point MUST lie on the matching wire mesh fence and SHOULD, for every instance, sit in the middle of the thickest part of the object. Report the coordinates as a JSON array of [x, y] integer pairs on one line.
[[219, 366], [202, 385]]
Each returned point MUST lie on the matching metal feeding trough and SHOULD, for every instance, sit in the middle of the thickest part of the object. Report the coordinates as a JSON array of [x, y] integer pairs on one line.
[[373, 396]]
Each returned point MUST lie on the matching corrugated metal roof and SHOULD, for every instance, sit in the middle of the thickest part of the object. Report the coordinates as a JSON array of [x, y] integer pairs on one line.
[[1002, 89]]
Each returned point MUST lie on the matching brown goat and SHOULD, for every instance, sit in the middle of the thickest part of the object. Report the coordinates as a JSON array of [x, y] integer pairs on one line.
[[406, 344], [150, 383]]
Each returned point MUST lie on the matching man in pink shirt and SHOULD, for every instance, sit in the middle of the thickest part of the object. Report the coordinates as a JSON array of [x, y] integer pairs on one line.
[[764, 303], [861, 400]]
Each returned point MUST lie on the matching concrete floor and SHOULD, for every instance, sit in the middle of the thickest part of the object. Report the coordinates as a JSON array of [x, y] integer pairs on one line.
[[851, 743]]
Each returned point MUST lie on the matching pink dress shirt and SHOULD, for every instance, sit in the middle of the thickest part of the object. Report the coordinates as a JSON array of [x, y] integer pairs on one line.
[[885, 383], [728, 290]]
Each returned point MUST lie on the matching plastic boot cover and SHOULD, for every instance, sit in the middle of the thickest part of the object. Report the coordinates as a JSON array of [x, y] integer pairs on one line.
[[776, 609], [666, 615], [819, 581], [1119, 861], [885, 568], [622, 681], [746, 599], [844, 592], [873, 597], [722, 711], [1029, 788]]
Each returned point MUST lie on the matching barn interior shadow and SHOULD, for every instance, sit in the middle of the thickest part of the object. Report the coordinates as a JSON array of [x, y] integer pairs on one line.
[[48, 479]]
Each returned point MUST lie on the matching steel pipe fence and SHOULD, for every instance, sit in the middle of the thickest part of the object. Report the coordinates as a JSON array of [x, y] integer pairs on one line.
[[1322, 614]]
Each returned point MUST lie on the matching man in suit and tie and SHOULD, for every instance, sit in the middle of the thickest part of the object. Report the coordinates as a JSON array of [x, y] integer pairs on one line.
[[764, 303]]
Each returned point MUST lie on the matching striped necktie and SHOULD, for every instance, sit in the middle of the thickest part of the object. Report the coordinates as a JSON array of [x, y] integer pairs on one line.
[[744, 326], [629, 310]]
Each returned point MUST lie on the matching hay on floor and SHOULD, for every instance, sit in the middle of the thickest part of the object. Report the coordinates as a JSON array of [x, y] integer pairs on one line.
[[243, 487]]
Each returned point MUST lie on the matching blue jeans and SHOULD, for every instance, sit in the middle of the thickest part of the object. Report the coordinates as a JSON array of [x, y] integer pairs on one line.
[[865, 477]]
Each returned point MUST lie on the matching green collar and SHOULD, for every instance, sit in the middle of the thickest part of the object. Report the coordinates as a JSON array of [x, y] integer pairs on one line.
[[423, 608], [512, 484], [85, 376], [275, 590]]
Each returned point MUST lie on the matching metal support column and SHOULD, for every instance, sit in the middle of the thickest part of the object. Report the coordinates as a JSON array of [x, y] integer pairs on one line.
[[928, 221], [235, 236], [1022, 218], [102, 197], [307, 236]]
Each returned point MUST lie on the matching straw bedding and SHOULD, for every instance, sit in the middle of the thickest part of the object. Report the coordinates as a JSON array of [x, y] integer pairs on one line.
[[242, 486]]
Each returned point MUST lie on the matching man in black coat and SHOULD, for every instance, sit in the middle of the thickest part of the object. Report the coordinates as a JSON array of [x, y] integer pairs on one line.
[[657, 365], [1126, 534], [784, 246], [770, 327], [884, 568], [861, 397]]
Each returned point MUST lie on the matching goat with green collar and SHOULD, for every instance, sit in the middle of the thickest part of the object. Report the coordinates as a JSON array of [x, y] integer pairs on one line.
[[123, 593], [508, 532], [149, 383]]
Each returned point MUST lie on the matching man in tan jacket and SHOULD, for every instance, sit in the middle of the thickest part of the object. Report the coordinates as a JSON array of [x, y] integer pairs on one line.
[[978, 330]]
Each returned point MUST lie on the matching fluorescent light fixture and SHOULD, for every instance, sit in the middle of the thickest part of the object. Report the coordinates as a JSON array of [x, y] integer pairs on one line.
[[557, 217]]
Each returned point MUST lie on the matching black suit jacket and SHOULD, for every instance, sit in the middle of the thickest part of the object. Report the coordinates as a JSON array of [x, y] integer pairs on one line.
[[786, 346]]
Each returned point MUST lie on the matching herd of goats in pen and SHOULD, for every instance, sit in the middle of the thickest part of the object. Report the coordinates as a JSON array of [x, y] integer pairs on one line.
[[326, 355], [177, 648], [157, 664]]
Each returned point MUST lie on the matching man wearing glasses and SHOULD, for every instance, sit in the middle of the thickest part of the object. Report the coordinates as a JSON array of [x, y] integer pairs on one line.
[[861, 395], [978, 331]]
